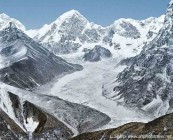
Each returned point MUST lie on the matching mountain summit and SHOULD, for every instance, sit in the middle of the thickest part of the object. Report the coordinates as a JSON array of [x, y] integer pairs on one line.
[[5, 19], [60, 35], [71, 14], [65, 24]]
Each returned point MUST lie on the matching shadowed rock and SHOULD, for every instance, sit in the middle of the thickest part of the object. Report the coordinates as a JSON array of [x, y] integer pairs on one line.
[[27, 64], [97, 53], [161, 128], [47, 125]]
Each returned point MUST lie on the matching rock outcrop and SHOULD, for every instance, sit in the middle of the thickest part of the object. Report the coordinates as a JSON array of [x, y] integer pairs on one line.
[[97, 53], [25, 63], [161, 128]]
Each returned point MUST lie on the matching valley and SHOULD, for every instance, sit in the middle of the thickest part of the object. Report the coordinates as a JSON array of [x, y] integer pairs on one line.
[[74, 79], [85, 87]]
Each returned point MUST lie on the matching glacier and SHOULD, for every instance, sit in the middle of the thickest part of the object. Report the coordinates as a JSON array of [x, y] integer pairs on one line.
[[45, 70]]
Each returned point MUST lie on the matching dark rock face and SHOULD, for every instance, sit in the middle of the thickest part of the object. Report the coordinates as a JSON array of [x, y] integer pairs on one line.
[[97, 53], [47, 117], [108, 38], [17, 107], [5, 132], [51, 128], [81, 118], [86, 50], [64, 47], [31, 73], [48, 126], [149, 75], [92, 35], [161, 128], [11, 129], [150, 34], [26, 63], [130, 31], [127, 30]]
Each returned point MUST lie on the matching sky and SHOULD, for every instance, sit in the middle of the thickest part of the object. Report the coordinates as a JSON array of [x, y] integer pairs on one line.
[[35, 13]]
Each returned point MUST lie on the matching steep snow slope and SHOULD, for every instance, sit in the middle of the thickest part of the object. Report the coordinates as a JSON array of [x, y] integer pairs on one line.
[[147, 81], [73, 33], [63, 23], [25, 63]]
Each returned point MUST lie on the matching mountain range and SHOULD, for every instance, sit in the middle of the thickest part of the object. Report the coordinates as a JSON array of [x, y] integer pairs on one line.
[[73, 33], [74, 78]]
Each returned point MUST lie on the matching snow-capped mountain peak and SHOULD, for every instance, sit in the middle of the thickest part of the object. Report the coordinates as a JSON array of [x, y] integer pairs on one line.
[[63, 25], [4, 16], [71, 14], [171, 2], [12, 25], [5, 19], [68, 32]]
